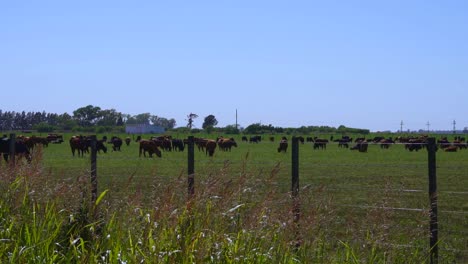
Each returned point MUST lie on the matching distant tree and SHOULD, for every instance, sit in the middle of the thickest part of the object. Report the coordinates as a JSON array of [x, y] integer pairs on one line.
[[87, 116], [108, 117], [163, 122], [190, 119], [231, 129], [210, 121], [143, 118]]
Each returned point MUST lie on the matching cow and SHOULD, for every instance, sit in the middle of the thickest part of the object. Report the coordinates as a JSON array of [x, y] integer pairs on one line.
[[320, 143], [385, 143], [178, 145], [283, 145], [201, 143], [54, 138], [128, 140], [244, 138], [210, 146], [255, 139], [32, 141], [301, 139], [149, 146], [272, 139], [361, 146], [165, 142], [451, 149], [20, 149], [225, 144], [116, 143], [81, 144]]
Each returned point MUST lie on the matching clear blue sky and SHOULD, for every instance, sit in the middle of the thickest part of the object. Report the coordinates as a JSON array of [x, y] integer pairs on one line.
[[366, 64]]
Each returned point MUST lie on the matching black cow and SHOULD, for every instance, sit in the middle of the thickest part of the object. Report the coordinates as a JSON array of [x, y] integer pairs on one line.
[[20, 149], [178, 145], [116, 143]]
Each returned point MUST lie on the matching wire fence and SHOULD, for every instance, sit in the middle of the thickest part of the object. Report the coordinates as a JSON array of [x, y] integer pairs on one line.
[[407, 196]]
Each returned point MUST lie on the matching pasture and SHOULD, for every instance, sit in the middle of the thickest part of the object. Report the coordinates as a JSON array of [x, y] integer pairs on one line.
[[355, 207]]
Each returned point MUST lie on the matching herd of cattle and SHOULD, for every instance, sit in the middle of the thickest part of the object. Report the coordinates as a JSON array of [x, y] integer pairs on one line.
[[154, 145]]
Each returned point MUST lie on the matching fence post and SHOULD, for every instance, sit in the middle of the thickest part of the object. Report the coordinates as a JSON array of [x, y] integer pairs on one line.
[[94, 188], [191, 167], [12, 150], [295, 187], [431, 149]]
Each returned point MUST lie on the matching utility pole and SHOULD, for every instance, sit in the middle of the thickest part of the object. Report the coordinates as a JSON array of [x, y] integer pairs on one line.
[[428, 125], [236, 119], [401, 126], [454, 130]]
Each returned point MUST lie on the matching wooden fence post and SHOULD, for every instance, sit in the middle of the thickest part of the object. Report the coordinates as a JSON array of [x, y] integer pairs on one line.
[[191, 167], [12, 150], [295, 187], [434, 251], [94, 188]]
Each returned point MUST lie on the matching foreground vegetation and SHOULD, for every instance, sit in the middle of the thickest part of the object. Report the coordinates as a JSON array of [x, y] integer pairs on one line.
[[241, 211]]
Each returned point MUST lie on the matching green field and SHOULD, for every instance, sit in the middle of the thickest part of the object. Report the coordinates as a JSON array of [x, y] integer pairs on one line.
[[355, 207]]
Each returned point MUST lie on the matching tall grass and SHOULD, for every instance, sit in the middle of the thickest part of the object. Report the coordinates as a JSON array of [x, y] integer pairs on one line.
[[233, 218]]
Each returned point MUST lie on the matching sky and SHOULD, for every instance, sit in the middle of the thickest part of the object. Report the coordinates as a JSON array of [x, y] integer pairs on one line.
[[362, 64]]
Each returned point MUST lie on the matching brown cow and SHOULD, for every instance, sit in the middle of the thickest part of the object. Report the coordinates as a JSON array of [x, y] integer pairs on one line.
[[225, 144], [149, 146], [361, 146], [210, 147], [283, 146]]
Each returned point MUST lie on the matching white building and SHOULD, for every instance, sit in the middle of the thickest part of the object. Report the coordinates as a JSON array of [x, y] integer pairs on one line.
[[143, 129]]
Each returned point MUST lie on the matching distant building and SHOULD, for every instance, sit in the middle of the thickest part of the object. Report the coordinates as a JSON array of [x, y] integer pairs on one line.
[[143, 129]]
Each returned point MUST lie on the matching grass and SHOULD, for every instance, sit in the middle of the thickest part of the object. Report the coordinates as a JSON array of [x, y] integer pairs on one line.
[[242, 209]]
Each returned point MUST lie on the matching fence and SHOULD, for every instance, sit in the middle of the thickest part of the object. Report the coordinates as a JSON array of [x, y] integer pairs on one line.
[[295, 176]]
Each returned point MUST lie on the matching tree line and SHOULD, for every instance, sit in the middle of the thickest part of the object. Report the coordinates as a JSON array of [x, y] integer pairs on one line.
[[94, 119], [88, 119]]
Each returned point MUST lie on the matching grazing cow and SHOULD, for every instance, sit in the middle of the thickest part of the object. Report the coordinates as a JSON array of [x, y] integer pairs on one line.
[[21, 149], [201, 143], [210, 146], [309, 139], [54, 138], [415, 144], [116, 143], [451, 149], [178, 145], [385, 143], [225, 144], [361, 146], [443, 143], [255, 139], [79, 144], [301, 139], [149, 146], [244, 138], [138, 139], [283, 146], [378, 139], [320, 143], [272, 139], [128, 140], [31, 142], [82, 144]]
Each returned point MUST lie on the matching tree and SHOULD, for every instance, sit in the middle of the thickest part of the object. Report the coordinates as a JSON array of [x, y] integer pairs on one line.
[[210, 121], [163, 122], [190, 119], [87, 116], [108, 117]]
